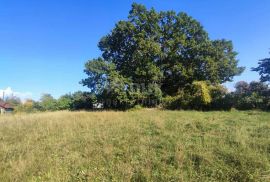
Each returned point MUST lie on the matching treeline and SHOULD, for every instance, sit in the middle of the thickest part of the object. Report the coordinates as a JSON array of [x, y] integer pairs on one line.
[[76, 101], [247, 96]]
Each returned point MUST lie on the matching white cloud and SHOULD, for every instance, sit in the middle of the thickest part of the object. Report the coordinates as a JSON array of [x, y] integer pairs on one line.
[[8, 92]]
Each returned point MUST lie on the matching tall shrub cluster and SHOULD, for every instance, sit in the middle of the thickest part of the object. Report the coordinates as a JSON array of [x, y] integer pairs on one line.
[[254, 95]]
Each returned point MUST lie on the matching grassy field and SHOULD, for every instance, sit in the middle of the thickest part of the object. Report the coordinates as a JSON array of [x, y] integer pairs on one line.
[[146, 145]]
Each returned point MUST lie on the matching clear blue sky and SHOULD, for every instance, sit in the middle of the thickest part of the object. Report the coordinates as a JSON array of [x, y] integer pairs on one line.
[[45, 43]]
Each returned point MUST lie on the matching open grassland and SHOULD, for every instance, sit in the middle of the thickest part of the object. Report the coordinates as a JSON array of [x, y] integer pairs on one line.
[[146, 145]]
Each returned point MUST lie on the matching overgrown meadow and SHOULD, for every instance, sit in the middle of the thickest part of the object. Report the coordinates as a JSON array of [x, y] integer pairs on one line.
[[142, 145]]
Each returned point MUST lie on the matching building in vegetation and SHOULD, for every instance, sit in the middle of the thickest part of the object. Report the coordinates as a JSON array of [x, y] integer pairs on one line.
[[5, 107]]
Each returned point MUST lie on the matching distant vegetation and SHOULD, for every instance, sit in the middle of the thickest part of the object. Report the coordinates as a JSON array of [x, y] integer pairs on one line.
[[76, 101]]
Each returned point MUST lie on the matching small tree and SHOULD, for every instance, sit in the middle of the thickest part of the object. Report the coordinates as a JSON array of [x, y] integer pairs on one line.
[[65, 102], [48, 103]]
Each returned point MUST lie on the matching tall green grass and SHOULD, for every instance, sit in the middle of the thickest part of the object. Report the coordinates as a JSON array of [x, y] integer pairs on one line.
[[145, 145]]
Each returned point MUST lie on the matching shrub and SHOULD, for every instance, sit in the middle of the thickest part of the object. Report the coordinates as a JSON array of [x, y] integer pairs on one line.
[[201, 95], [48, 103], [254, 96], [28, 106], [195, 96], [83, 101], [136, 108], [171, 102], [65, 102], [252, 101], [221, 98]]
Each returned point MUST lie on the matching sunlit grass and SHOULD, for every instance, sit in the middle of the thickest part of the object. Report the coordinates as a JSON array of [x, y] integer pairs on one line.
[[141, 145]]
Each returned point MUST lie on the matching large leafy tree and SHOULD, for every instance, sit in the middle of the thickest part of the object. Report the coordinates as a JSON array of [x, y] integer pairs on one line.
[[263, 69], [163, 52]]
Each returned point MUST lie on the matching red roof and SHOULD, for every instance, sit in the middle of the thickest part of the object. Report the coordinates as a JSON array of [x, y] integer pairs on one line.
[[5, 105]]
